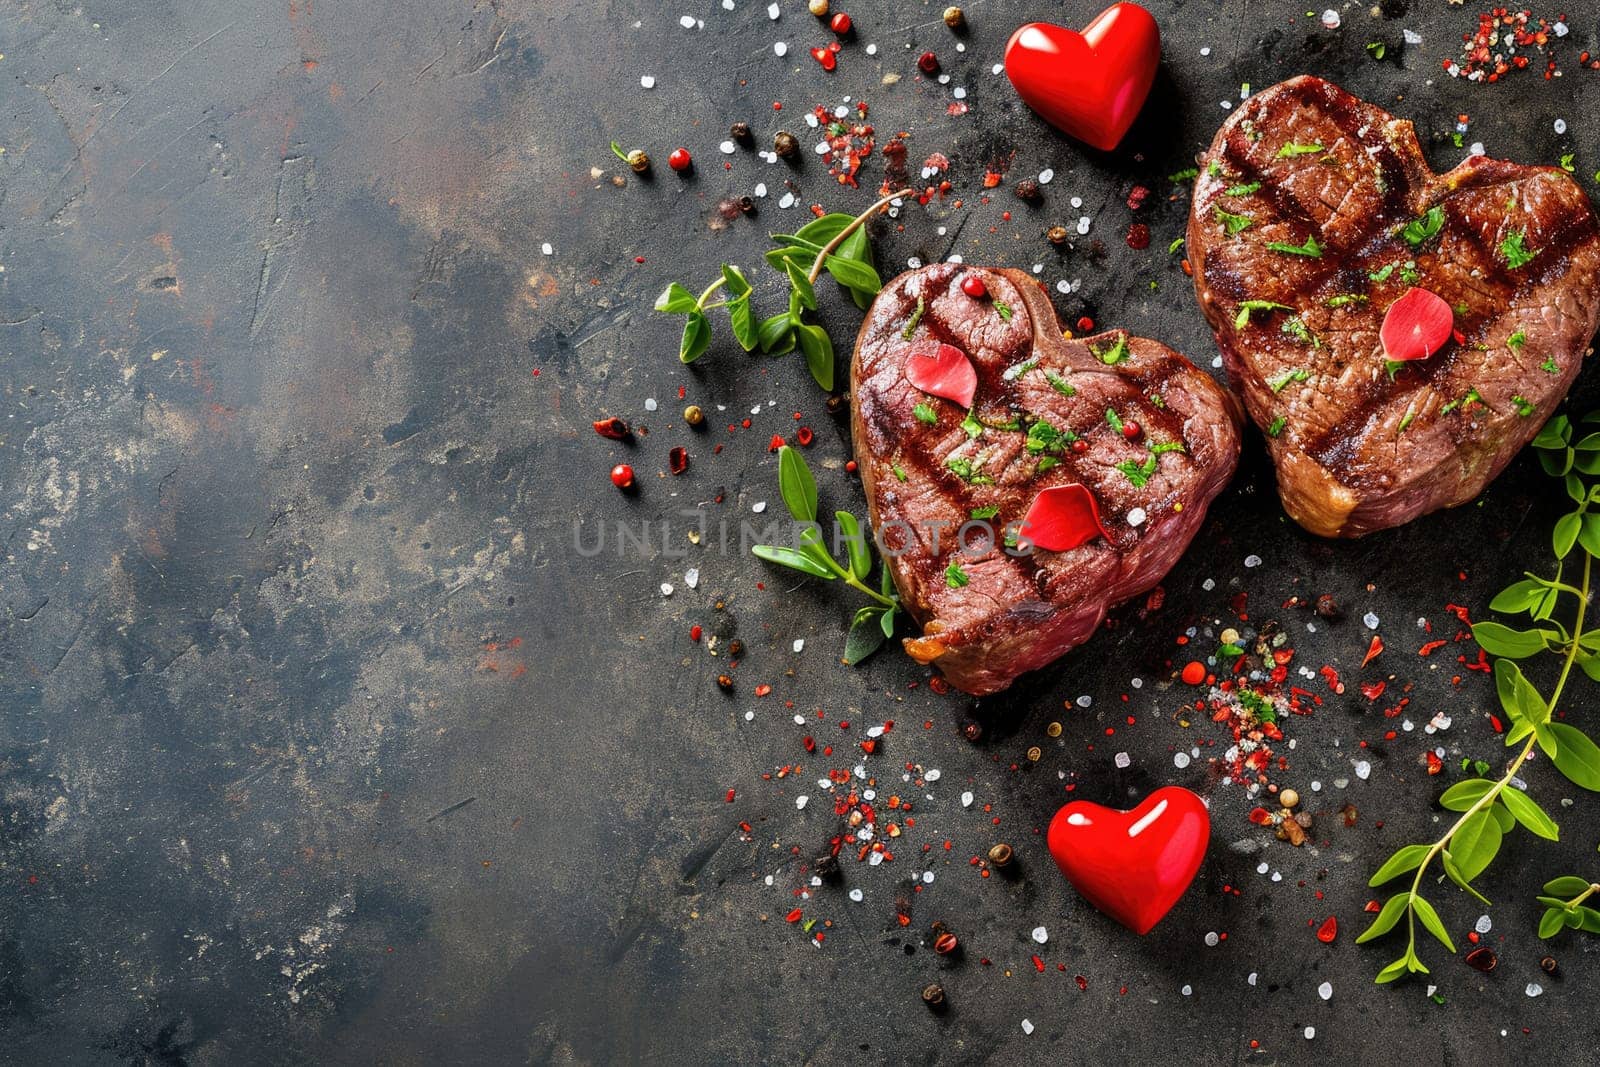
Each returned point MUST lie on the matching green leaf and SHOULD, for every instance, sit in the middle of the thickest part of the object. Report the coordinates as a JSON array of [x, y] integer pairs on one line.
[[855, 246], [1395, 970], [1393, 908], [853, 275], [818, 351], [865, 636], [1502, 816], [789, 557], [1576, 756], [796, 485], [822, 230], [696, 337], [1548, 742], [1430, 919], [855, 544], [776, 334], [801, 284], [1463, 795], [1588, 919], [1474, 846], [924, 412], [1566, 533], [1501, 640], [1310, 248], [743, 320], [887, 622], [1568, 885], [1589, 534], [1457, 877], [1530, 814], [1518, 597], [1405, 859], [733, 281], [675, 300], [1518, 697], [1418, 231], [1551, 922]]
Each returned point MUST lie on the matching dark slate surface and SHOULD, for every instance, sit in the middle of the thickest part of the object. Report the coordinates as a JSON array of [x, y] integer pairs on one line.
[[279, 473]]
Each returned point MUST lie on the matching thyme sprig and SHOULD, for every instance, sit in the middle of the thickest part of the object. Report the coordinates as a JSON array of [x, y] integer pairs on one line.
[[1571, 914], [1491, 808], [872, 624]]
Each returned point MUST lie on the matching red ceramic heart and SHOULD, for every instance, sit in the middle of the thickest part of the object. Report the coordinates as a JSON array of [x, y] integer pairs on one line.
[[1132, 865], [1091, 84]]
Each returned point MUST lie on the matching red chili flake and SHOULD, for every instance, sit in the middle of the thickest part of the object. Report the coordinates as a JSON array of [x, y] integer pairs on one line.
[[804, 436], [1138, 236], [1430, 648], [793, 916], [1328, 930], [694, 632], [809, 742], [614, 428], [1499, 727], [1435, 764], [826, 57], [1373, 650], [1260, 816], [1373, 690], [869, 746], [1038, 964], [730, 796], [1085, 324], [1373, 907], [1083, 983], [776, 443], [763, 689], [678, 460]]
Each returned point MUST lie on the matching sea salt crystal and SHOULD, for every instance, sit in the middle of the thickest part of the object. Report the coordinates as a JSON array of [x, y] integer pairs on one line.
[[1040, 934], [997, 68], [727, 5], [759, 506], [1085, 700], [1561, 29], [726, 148], [1211, 939], [1046, 176], [1534, 989], [1083, 224], [1311, 1032], [800, 801], [749, 716], [1325, 990], [666, 588], [800, 644], [773, 12], [547, 249], [648, 82], [761, 189], [1560, 125], [872, 49], [1076, 201], [1411, 36], [1187, 990], [856, 895], [1180, 760], [1063, 286], [786, 201], [1123, 760], [874, 859], [687, 22], [1263, 867], [1330, 19], [927, 877], [1363, 769], [650, 403], [961, 94], [1027, 1027], [823, 148], [933, 775], [1136, 517], [1252, 561], [1205, 51], [1251, 979], [1209, 584], [1484, 924], [966, 800], [1476, 149], [691, 577], [780, 48], [1370, 621]]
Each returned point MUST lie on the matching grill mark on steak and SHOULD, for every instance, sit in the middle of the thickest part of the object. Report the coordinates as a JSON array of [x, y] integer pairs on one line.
[[1360, 452], [1018, 612]]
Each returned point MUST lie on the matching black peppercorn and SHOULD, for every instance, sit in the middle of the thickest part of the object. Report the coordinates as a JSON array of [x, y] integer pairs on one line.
[[837, 403], [747, 205], [826, 865], [786, 144], [1028, 189], [1327, 607], [735, 648], [1548, 965], [972, 730], [933, 996], [740, 131]]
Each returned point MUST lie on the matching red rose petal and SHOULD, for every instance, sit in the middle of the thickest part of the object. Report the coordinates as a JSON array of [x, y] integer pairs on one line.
[[943, 371], [1416, 326], [1061, 518]]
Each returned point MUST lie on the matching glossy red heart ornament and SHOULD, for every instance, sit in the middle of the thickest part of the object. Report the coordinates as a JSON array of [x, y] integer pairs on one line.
[[1132, 865], [1091, 84]]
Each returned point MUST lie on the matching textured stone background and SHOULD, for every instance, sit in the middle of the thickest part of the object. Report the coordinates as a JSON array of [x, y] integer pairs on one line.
[[279, 473]]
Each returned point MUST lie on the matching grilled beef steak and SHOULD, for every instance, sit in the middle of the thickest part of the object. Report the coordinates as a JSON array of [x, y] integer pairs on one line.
[[1313, 213], [1150, 437]]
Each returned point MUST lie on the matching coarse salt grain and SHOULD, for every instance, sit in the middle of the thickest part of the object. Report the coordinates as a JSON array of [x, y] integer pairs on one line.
[[1363, 769], [1212, 939], [1027, 1027], [759, 506], [1123, 760], [1484, 924], [1560, 125], [666, 588], [772, 12], [1311, 1032], [1046, 176], [1534, 989], [1187, 990], [1330, 19], [800, 644], [932, 775], [1325, 990], [856, 895], [1136, 517], [966, 800], [648, 82], [687, 22], [1252, 561], [780, 48], [547, 249], [1370, 621], [691, 577], [1180, 760], [1040, 934], [800, 801]]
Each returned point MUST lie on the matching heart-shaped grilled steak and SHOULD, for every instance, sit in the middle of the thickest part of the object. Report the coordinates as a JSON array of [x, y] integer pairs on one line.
[[1314, 214], [1150, 439]]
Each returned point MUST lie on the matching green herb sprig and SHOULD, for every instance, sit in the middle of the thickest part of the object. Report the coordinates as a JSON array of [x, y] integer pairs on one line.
[[1571, 914], [676, 300], [1492, 808], [872, 624], [835, 243]]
